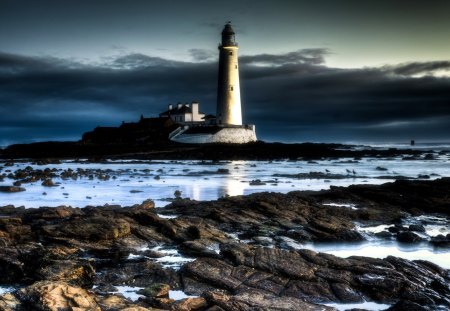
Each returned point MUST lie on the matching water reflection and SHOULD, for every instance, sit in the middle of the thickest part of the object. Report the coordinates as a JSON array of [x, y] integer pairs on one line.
[[383, 249], [231, 187]]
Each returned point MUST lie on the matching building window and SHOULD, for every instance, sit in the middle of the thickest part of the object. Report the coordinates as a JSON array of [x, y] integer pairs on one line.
[[235, 66], [231, 88], [230, 53]]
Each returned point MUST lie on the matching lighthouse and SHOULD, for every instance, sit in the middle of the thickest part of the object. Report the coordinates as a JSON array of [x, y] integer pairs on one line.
[[229, 110], [228, 127]]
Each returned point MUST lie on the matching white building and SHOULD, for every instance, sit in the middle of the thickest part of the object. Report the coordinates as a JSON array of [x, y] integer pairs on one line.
[[184, 113]]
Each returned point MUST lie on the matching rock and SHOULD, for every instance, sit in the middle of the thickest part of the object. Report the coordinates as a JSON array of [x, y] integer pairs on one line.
[[441, 240], [177, 194], [76, 273], [11, 189], [148, 204], [257, 182], [188, 304], [257, 300], [56, 296], [9, 302], [156, 291], [408, 305], [223, 171], [417, 228], [408, 237], [48, 183], [380, 168], [96, 229]]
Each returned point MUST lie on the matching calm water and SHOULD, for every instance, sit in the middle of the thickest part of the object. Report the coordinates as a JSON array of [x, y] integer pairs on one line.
[[137, 181]]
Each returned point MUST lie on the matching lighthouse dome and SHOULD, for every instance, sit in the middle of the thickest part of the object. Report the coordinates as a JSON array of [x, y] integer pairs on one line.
[[228, 35]]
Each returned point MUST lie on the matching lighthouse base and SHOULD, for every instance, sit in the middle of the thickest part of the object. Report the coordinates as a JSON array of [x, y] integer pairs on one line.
[[215, 134]]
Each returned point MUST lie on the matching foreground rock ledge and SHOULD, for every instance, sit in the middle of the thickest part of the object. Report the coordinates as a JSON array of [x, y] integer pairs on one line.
[[241, 248]]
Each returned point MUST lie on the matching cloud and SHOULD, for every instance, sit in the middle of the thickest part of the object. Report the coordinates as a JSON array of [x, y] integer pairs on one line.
[[304, 56], [415, 68], [202, 54], [292, 96]]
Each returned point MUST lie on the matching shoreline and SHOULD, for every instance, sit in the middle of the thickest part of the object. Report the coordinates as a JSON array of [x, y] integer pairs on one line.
[[172, 151]]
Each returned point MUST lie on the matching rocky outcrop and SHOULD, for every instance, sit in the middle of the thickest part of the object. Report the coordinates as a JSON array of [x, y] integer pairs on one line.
[[316, 277], [245, 253], [56, 296]]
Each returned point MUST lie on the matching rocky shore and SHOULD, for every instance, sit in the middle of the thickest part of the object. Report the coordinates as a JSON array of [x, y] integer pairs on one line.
[[235, 253], [173, 151]]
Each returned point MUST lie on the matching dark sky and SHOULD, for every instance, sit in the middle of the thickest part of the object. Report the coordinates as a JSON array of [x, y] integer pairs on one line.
[[346, 71]]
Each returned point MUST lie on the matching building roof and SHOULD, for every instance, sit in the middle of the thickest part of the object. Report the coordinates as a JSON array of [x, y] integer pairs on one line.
[[175, 110]]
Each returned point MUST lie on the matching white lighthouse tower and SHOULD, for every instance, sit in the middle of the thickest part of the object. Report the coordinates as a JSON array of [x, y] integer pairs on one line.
[[229, 110], [228, 128]]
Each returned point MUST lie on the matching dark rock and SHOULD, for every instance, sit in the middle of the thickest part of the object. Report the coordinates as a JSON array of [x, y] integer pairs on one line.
[[258, 300], [403, 305], [408, 237], [257, 182], [156, 291], [441, 240], [48, 183], [417, 228], [11, 189]]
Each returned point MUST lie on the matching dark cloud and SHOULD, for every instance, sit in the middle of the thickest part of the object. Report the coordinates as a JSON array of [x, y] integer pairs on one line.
[[419, 68], [304, 56], [290, 97]]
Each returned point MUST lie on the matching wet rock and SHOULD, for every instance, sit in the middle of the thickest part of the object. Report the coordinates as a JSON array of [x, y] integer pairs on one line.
[[417, 228], [258, 300], [118, 303], [383, 235], [408, 237], [223, 171], [190, 304], [198, 248], [11, 189], [257, 182], [9, 302], [408, 305], [76, 273], [48, 183], [156, 291], [97, 228], [441, 240], [380, 168], [56, 296]]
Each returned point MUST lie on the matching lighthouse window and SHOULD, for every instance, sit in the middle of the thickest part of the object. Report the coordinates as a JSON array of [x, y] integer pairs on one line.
[[235, 66], [230, 53], [231, 88]]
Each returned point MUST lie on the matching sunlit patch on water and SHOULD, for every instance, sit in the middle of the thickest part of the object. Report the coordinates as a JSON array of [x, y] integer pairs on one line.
[[172, 258], [129, 292], [348, 205], [6, 289], [373, 229], [167, 216], [383, 249], [434, 225], [178, 295], [367, 305]]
